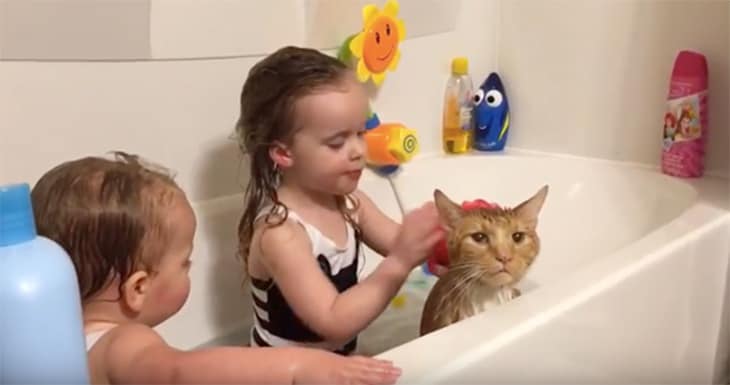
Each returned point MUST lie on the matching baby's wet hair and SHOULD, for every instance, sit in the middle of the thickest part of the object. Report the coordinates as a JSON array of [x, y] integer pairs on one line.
[[107, 214]]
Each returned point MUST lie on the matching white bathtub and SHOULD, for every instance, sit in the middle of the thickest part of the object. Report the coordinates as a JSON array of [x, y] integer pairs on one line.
[[630, 285]]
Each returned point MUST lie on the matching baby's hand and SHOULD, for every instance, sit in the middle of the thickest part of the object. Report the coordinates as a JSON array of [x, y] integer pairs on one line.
[[330, 368], [418, 234]]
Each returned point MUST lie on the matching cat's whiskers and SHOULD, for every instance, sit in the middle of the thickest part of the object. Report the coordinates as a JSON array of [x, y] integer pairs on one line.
[[466, 266], [473, 273], [468, 273], [461, 282]]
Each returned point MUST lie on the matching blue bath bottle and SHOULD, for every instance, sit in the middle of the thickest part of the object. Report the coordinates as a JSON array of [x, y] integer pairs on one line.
[[41, 328], [491, 115]]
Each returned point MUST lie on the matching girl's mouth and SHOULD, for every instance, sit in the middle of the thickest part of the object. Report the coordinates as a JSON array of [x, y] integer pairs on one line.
[[355, 174]]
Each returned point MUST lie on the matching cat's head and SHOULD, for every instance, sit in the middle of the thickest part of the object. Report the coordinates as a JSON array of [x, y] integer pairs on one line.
[[497, 245]]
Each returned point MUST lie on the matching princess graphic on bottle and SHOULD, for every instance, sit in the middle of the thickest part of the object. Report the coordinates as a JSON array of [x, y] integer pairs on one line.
[[670, 126], [688, 127]]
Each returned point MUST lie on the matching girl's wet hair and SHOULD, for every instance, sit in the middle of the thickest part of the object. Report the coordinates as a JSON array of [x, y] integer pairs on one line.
[[268, 100]]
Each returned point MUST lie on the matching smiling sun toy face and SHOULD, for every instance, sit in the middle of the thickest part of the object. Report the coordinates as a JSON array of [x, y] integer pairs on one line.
[[377, 45]]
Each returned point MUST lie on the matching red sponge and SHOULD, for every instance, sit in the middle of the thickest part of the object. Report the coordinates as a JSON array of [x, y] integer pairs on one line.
[[440, 255]]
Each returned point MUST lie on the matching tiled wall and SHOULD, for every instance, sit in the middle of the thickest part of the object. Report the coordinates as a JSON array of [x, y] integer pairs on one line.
[[591, 77], [178, 105]]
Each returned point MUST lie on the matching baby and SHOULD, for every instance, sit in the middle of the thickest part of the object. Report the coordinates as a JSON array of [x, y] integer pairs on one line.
[[129, 231]]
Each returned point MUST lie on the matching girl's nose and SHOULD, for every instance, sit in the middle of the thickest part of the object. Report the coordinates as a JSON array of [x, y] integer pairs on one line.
[[357, 151]]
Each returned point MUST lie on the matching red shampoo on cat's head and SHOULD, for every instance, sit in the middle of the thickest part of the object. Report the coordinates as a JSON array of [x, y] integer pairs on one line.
[[440, 255]]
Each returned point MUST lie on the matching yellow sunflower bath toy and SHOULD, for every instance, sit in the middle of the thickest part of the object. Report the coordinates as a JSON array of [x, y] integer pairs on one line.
[[376, 46], [370, 53]]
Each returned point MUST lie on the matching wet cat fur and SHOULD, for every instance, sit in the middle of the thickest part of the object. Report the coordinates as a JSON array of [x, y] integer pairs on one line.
[[490, 250]]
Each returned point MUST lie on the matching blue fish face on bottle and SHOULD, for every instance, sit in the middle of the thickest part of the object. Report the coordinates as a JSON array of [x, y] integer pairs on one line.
[[491, 115]]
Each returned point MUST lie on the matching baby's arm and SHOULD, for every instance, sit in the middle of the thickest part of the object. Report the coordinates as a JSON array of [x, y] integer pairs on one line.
[[378, 230], [138, 355]]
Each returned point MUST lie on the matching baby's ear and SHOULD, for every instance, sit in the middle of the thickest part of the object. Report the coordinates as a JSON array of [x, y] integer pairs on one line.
[[450, 212], [134, 291], [529, 209]]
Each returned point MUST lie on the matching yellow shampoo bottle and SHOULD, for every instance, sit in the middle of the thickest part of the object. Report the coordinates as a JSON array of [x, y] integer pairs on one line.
[[457, 115]]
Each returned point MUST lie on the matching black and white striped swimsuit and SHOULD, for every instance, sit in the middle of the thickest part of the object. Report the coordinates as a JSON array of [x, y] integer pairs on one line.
[[275, 323]]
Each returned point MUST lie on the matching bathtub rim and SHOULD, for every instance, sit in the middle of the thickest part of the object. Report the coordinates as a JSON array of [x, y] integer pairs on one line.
[[712, 188]]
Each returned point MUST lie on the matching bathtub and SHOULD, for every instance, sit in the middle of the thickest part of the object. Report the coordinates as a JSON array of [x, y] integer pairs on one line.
[[630, 284]]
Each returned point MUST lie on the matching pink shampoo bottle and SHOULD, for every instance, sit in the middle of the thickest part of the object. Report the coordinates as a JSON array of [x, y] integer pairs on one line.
[[685, 118]]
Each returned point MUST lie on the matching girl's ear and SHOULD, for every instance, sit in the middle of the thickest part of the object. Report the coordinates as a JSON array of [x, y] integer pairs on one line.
[[281, 155]]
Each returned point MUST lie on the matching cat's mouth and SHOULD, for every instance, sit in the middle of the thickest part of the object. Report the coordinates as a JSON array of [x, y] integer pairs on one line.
[[503, 271], [501, 276], [499, 269]]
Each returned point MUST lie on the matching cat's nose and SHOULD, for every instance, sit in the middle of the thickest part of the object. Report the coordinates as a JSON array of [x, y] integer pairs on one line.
[[504, 257]]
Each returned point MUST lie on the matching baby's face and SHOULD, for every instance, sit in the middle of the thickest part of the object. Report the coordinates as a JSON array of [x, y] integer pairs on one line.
[[170, 284]]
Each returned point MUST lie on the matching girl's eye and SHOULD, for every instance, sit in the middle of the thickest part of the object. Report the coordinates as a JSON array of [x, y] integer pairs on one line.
[[336, 145], [361, 133]]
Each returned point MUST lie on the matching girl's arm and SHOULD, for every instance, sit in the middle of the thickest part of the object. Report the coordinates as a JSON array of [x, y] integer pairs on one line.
[[138, 355], [379, 230], [338, 317]]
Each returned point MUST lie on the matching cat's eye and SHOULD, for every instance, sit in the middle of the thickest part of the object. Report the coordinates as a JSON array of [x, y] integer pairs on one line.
[[518, 236], [479, 237]]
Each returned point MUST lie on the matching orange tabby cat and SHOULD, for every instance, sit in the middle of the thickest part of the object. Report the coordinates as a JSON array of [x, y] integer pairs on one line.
[[490, 251]]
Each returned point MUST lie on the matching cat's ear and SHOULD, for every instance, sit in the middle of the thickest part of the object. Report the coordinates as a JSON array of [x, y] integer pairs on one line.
[[529, 209], [449, 211]]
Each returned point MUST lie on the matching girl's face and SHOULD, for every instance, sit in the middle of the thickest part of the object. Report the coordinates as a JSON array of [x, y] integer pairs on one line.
[[328, 149]]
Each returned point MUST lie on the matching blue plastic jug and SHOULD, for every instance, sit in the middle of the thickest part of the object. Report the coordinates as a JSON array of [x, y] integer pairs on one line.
[[41, 327]]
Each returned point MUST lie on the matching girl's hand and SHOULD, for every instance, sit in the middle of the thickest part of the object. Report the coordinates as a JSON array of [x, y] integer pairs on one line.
[[418, 233]]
